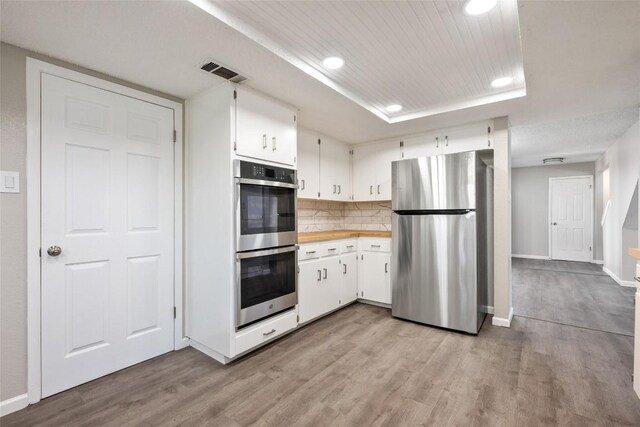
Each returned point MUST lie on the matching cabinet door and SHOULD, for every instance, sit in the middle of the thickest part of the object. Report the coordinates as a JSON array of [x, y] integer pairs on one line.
[[349, 283], [265, 129], [308, 165], [387, 153], [318, 288], [374, 277], [421, 146], [334, 170], [467, 138], [364, 172]]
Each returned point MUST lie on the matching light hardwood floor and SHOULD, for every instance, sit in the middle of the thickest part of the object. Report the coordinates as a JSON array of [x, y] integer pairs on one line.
[[361, 367]]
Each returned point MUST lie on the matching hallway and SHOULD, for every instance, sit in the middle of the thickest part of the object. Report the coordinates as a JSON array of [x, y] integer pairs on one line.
[[572, 293]]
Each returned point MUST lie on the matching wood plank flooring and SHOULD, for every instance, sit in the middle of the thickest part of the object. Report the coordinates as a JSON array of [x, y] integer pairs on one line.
[[572, 293], [361, 367]]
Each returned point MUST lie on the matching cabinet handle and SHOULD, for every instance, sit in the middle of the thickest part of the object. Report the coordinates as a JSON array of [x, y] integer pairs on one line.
[[325, 273], [446, 140], [378, 189], [339, 189], [437, 141], [332, 249], [264, 141], [345, 269], [349, 246], [319, 275], [371, 189], [375, 246], [273, 144], [311, 252], [334, 189], [637, 279], [303, 186], [266, 334], [386, 267]]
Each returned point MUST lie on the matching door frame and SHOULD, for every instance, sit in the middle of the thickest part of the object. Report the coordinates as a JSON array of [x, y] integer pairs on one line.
[[550, 210], [35, 68]]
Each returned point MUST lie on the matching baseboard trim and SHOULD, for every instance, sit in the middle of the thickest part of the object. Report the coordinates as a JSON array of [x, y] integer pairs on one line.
[[501, 321], [598, 261], [14, 404], [486, 309], [530, 256], [619, 281]]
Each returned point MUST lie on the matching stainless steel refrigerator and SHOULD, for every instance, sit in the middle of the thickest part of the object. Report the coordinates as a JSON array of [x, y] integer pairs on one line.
[[441, 239]]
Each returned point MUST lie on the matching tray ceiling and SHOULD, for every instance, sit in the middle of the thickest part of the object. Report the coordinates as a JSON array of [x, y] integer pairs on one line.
[[430, 57]]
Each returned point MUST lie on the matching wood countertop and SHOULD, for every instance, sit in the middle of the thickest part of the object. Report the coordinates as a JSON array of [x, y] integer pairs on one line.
[[321, 236], [634, 252]]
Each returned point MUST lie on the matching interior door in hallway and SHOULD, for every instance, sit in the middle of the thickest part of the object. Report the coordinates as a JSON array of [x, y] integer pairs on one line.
[[107, 218], [571, 210]]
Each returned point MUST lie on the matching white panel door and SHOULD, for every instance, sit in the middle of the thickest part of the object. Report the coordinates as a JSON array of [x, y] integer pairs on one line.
[[349, 287], [571, 210], [335, 182], [107, 202], [308, 165]]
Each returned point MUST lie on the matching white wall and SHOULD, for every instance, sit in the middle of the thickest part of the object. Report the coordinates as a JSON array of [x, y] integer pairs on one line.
[[530, 215], [623, 160]]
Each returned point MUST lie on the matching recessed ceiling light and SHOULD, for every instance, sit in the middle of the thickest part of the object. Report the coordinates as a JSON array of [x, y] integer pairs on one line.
[[502, 82], [333, 62], [478, 7], [394, 108]]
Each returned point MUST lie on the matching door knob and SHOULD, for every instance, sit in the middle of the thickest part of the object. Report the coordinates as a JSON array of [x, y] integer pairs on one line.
[[54, 250], [555, 223]]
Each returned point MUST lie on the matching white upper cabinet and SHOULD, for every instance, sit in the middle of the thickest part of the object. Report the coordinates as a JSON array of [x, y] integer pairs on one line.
[[372, 170], [335, 176], [265, 129], [420, 146], [476, 136], [308, 164]]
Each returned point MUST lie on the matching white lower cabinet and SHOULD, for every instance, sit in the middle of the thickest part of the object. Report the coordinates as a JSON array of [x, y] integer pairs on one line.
[[318, 287], [374, 280], [336, 273], [349, 282]]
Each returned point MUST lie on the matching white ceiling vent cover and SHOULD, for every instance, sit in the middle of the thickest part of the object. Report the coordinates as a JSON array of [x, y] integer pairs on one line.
[[213, 67]]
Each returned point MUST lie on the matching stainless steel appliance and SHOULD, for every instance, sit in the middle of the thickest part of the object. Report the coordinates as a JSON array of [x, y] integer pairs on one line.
[[266, 206], [440, 240], [267, 283], [266, 241]]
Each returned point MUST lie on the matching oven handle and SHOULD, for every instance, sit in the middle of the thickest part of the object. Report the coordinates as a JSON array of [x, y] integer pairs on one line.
[[255, 254], [265, 183]]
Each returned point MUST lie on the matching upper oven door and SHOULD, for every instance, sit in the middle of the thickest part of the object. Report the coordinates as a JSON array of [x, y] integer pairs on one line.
[[266, 214]]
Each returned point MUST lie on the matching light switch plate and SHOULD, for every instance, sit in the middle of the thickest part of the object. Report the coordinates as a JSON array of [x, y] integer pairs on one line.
[[9, 182]]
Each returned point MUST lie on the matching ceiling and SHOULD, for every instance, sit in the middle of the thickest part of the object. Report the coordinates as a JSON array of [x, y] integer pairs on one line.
[[581, 62], [430, 57]]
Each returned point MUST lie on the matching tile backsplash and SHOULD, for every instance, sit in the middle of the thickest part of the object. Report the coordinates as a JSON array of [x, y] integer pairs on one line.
[[322, 215]]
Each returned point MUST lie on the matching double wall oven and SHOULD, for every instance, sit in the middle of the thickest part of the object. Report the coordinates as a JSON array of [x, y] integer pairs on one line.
[[266, 241]]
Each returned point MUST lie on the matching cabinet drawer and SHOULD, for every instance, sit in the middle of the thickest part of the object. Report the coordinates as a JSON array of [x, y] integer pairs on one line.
[[348, 246], [331, 248], [270, 329], [310, 251], [375, 245]]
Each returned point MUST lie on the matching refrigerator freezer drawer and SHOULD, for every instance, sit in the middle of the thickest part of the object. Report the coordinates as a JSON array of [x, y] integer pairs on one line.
[[434, 270]]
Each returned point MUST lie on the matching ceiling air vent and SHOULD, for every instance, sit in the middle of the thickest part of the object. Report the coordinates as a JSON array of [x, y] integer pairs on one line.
[[220, 71]]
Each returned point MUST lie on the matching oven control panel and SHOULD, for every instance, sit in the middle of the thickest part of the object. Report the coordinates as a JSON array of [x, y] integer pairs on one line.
[[265, 172]]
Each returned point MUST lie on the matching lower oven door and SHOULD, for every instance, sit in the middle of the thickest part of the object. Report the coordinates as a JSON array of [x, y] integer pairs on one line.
[[267, 283]]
